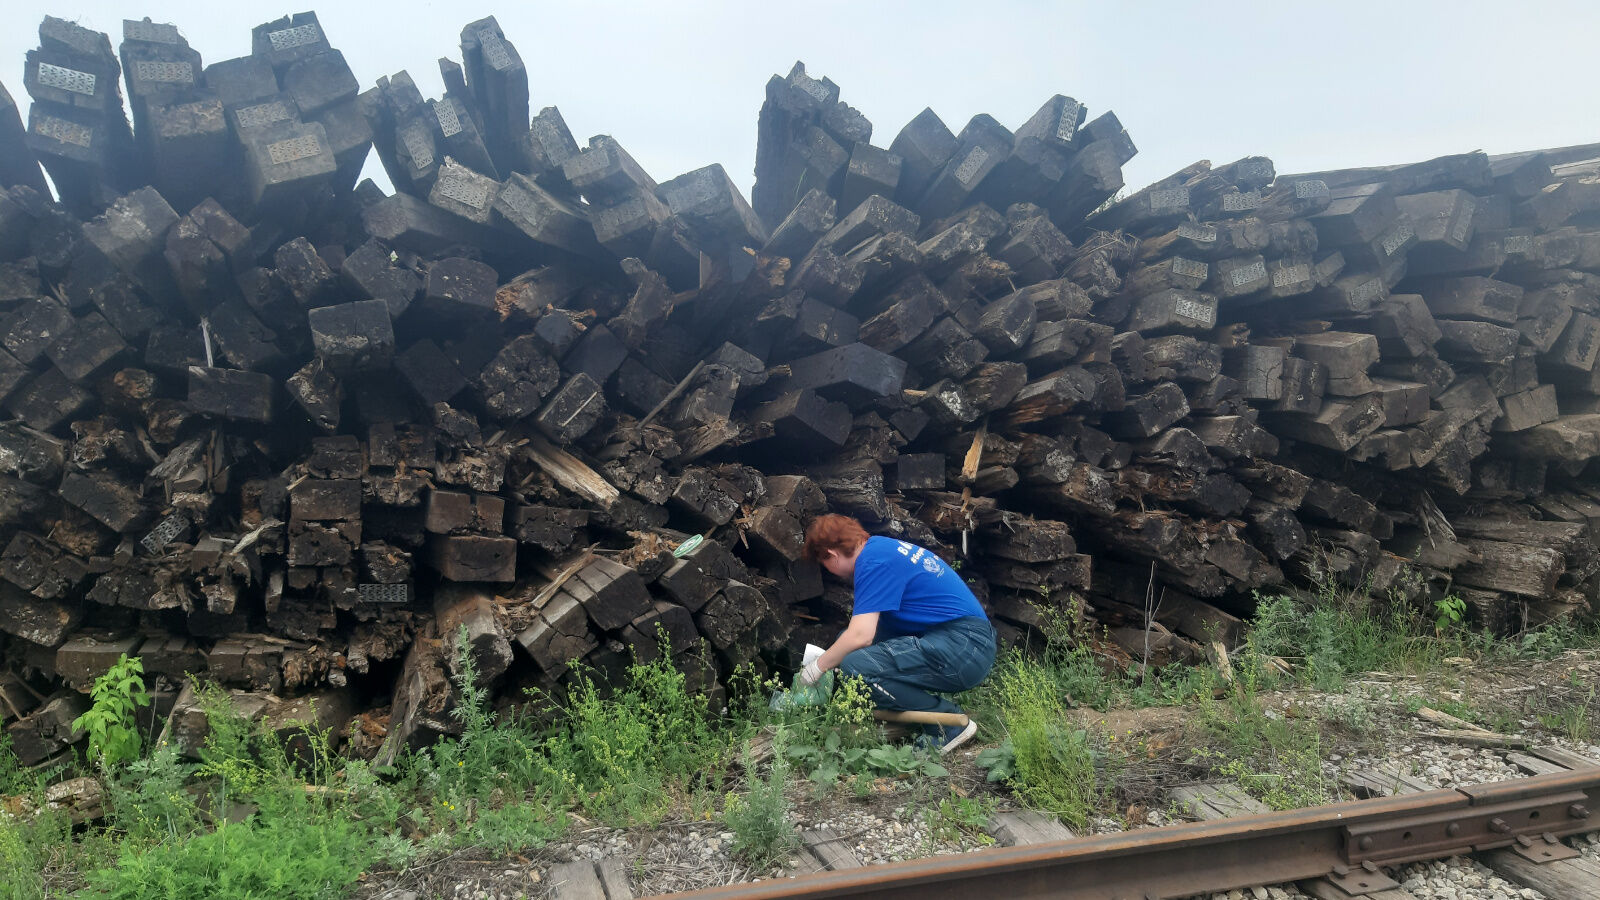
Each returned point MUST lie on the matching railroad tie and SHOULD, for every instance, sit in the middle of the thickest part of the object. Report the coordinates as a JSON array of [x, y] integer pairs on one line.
[[1383, 780], [1566, 759], [613, 872], [830, 849], [1026, 826], [1558, 879], [577, 881], [1534, 765], [1216, 800]]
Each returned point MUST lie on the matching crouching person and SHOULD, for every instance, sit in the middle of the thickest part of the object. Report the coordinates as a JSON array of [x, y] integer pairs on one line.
[[916, 630]]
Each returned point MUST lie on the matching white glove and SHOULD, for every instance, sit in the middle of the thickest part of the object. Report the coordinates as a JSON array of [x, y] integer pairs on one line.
[[811, 673]]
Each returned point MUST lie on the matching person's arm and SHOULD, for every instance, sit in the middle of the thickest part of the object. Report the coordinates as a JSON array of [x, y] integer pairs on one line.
[[875, 592], [857, 634]]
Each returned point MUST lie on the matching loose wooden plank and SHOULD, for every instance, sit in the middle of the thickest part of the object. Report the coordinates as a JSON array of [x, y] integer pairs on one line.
[[830, 848], [1027, 826], [575, 881]]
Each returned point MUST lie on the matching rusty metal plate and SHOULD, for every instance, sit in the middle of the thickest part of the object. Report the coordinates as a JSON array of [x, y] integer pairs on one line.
[[1542, 851], [1361, 881], [1497, 818]]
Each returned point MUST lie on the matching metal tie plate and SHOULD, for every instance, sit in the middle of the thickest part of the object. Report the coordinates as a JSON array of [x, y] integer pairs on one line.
[[294, 149], [63, 131], [298, 36], [67, 79], [449, 122]]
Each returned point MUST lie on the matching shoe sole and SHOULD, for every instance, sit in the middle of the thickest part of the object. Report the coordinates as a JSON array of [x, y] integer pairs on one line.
[[965, 735]]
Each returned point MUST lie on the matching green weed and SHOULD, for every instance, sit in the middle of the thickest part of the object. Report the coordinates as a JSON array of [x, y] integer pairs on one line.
[[148, 799], [956, 816], [117, 695], [1449, 610], [624, 756], [306, 856], [832, 740], [1571, 720], [760, 822], [1056, 768], [1275, 758]]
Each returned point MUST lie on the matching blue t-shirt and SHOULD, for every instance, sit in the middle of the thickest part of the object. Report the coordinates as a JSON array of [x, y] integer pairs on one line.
[[910, 586]]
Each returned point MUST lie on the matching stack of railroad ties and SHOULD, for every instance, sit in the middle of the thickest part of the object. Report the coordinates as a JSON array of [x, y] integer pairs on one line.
[[277, 429]]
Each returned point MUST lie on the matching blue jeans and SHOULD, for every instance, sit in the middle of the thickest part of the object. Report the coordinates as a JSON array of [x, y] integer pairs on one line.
[[901, 672]]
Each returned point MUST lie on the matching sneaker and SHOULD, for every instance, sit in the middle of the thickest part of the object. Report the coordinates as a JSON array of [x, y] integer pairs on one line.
[[955, 736]]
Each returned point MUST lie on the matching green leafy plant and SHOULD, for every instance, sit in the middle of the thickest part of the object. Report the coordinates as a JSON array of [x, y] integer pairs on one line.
[[148, 800], [626, 753], [1000, 762], [232, 754], [827, 761], [1450, 610], [278, 855], [956, 816], [109, 722], [763, 832], [903, 760], [1051, 766], [832, 740], [1274, 758]]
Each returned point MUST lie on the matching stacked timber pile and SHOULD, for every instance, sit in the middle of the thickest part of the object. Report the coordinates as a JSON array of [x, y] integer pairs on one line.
[[274, 428]]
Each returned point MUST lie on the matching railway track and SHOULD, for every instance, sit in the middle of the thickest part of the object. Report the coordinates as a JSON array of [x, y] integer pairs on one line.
[[1333, 852]]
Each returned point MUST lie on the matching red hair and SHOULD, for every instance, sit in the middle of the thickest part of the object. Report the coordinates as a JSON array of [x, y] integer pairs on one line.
[[841, 534]]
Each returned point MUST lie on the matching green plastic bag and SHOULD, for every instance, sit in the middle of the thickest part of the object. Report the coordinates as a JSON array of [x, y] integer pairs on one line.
[[801, 694]]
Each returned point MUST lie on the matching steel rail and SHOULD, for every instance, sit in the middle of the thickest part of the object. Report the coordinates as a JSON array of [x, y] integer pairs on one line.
[[1347, 841]]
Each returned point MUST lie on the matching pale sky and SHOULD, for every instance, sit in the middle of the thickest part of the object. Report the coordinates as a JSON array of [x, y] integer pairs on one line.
[[679, 84]]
